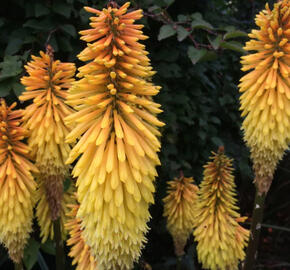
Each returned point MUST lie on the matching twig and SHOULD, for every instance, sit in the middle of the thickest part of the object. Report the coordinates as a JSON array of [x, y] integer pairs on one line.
[[262, 266], [165, 18], [275, 227]]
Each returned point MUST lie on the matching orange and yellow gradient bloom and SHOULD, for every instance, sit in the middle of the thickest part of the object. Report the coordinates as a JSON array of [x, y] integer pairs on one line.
[[265, 99], [221, 240], [46, 85], [17, 186], [179, 208], [119, 137]]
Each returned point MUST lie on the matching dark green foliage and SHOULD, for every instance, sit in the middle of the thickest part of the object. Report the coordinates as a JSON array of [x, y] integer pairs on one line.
[[195, 48]]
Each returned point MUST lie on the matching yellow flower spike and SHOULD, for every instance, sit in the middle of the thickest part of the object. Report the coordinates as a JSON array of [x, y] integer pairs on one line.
[[179, 208], [221, 240], [17, 186], [80, 251], [119, 138], [265, 101], [46, 86]]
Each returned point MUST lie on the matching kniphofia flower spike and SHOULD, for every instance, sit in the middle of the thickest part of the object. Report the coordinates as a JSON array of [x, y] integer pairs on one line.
[[118, 133]]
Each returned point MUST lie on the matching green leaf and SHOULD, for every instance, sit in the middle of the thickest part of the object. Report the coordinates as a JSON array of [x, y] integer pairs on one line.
[[10, 67], [209, 56], [168, 2], [31, 253], [29, 9], [229, 28], [235, 34], [166, 31], [25, 56], [196, 16], [215, 120], [155, 9], [182, 18], [40, 9], [48, 247], [64, 43], [62, 9], [84, 16], [232, 45], [216, 42], [43, 265], [44, 24], [69, 29], [182, 33], [5, 87], [18, 88], [201, 134], [195, 54], [201, 24], [13, 46], [217, 141]]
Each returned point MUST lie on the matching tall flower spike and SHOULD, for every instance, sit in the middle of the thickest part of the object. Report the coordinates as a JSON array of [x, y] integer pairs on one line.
[[179, 208], [221, 240], [265, 101], [17, 185], [46, 85], [80, 251], [118, 133]]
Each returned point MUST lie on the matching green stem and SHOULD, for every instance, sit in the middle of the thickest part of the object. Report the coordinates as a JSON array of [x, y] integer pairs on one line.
[[59, 252], [178, 263], [18, 266], [257, 218]]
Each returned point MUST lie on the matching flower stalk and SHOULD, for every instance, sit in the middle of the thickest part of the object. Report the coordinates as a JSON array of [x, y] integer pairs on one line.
[[59, 248], [255, 230], [18, 266], [265, 104]]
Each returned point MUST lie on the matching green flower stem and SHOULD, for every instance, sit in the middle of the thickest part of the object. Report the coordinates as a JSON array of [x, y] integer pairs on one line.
[[178, 263], [18, 266], [59, 252], [257, 218]]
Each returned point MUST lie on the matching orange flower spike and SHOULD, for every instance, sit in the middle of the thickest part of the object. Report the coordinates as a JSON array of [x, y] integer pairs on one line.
[[221, 240], [119, 137], [265, 99], [46, 85], [17, 185], [179, 208]]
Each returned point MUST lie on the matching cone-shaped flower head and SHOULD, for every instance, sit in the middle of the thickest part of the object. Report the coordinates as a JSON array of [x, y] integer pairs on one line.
[[265, 101], [179, 208], [46, 86], [80, 251], [221, 240], [119, 137], [17, 185]]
